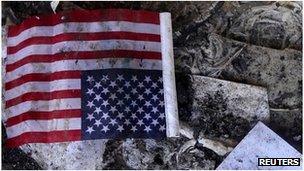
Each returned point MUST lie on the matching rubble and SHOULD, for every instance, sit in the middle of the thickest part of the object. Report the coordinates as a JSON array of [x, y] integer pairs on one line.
[[277, 26], [209, 43], [68, 155], [221, 108], [261, 142]]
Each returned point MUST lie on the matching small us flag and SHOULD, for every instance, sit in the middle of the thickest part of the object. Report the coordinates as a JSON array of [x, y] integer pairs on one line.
[[102, 74]]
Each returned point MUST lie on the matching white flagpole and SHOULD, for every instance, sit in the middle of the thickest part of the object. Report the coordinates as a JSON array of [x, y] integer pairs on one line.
[[172, 121]]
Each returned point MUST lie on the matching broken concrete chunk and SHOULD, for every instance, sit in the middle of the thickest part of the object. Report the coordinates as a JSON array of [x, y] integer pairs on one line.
[[68, 155], [216, 146], [288, 124], [278, 25], [261, 142], [241, 100], [277, 70]]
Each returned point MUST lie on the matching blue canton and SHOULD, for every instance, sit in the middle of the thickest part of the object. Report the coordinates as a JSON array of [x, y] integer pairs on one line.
[[122, 103]]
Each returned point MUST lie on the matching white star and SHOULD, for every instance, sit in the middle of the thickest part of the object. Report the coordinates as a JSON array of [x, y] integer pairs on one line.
[[147, 116], [120, 128], [90, 79], [147, 129], [127, 84], [113, 96], [134, 78], [113, 109], [134, 91], [105, 116], [90, 104], [97, 122], [105, 90], [97, 110], [105, 103], [134, 128], [120, 103], [140, 110], [154, 122], [141, 85], [105, 78], [147, 103], [147, 79], [112, 84], [120, 90], [127, 96], [90, 92], [133, 104], [140, 122], [147, 91], [113, 122], [90, 129], [90, 117], [105, 128], [154, 97], [98, 85], [154, 85], [97, 97], [127, 122], [133, 116], [160, 79], [162, 116], [120, 115], [127, 109], [141, 97], [162, 128], [161, 103], [154, 110], [161, 91], [120, 77]]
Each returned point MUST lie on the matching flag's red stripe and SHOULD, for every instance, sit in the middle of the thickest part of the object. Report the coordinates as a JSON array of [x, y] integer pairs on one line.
[[83, 55], [34, 96], [84, 37], [43, 115], [44, 137], [42, 77], [86, 16]]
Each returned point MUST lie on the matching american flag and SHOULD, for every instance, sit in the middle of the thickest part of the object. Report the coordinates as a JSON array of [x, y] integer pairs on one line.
[[84, 75]]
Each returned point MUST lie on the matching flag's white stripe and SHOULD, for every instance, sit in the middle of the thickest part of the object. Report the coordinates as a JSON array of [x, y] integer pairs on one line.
[[43, 126], [88, 64], [50, 49], [69, 84], [44, 105], [84, 27]]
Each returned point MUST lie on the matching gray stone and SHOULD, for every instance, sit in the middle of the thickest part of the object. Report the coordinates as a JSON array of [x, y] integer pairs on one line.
[[68, 155], [278, 70], [225, 109], [261, 142], [278, 25], [288, 124], [245, 101]]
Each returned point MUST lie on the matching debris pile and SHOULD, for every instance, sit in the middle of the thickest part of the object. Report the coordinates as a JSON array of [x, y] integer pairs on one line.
[[237, 63]]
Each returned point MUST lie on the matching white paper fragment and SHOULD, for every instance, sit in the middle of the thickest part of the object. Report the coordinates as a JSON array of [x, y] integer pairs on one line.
[[54, 5], [260, 142], [172, 124]]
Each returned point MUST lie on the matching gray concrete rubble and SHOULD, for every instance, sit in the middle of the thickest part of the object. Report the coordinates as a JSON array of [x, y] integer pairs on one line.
[[219, 108], [68, 155], [279, 71], [241, 100], [277, 26], [261, 142]]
